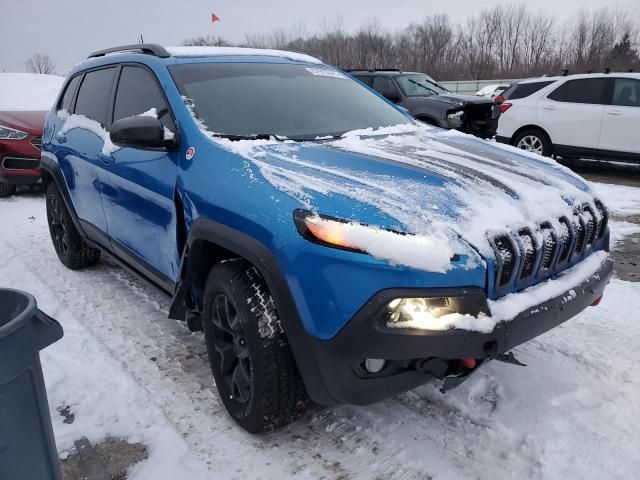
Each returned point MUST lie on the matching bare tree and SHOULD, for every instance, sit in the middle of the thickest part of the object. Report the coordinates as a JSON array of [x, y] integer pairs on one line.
[[206, 41], [498, 42], [40, 63]]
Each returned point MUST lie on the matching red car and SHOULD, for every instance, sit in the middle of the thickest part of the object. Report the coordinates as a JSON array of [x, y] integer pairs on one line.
[[25, 99]]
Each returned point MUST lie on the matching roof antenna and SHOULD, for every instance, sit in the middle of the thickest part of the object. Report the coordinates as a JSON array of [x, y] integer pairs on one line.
[[140, 39], [607, 70], [631, 70], [565, 72]]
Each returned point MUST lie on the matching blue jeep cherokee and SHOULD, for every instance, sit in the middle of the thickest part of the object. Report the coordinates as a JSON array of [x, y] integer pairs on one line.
[[329, 246]]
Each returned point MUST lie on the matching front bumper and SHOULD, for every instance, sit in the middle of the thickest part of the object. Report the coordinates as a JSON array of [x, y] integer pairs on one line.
[[340, 359], [26, 177]]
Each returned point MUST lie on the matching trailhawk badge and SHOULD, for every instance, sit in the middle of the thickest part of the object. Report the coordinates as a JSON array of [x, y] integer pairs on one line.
[[191, 151]]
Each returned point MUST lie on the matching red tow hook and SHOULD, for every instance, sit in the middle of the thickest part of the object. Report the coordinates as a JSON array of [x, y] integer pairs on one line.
[[468, 362], [597, 301]]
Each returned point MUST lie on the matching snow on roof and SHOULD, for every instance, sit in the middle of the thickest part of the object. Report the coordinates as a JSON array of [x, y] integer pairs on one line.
[[239, 51], [28, 91]]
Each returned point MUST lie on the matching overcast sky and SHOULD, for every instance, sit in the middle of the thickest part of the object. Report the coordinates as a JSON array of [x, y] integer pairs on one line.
[[67, 30]]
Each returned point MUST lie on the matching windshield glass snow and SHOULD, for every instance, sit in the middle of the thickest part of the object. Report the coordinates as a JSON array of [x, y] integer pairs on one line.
[[299, 102]]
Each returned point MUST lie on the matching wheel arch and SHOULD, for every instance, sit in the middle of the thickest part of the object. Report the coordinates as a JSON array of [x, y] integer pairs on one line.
[[209, 242], [530, 127]]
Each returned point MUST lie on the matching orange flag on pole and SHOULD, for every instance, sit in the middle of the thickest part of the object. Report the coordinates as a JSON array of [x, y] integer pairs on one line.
[[214, 18]]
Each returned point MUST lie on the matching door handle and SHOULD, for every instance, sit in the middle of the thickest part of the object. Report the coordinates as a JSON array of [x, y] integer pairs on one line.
[[61, 137], [107, 159], [549, 107], [614, 112]]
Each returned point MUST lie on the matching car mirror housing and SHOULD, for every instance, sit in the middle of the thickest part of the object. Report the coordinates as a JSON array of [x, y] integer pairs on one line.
[[140, 132]]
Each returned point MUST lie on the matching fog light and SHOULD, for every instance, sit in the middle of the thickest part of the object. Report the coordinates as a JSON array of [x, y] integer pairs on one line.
[[374, 365], [422, 313]]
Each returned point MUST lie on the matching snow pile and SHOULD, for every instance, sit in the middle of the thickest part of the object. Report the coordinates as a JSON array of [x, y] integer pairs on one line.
[[240, 51], [85, 123], [28, 91], [395, 248], [620, 199]]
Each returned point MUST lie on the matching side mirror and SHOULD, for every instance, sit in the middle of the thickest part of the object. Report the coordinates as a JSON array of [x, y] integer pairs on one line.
[[139, 132]]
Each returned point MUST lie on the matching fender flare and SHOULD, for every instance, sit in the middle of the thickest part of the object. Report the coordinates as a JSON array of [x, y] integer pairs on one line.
[[51, 167], [193, 274]]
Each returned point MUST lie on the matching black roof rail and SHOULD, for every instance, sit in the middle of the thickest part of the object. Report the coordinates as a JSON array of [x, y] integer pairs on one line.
[[146, 48], [372, 70]]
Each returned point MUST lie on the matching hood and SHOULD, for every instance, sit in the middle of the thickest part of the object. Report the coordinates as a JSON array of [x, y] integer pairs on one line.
[[455, 99], [28, 121], [420, 180]]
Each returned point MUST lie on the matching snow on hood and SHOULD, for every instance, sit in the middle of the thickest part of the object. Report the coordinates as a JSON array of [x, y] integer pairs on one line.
[[28, 91], [429, 181]]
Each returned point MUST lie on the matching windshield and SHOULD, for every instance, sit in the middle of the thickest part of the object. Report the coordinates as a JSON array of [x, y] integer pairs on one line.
[[419, 85], [293, 101]]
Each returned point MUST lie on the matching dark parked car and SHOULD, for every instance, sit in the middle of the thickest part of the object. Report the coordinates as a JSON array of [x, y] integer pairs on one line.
[[431, 103], [25, 99]]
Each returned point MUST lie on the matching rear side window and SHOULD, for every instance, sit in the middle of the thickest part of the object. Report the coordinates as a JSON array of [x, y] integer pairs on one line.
[[523, 90], [67, 98], [367, 80], [626, 92], [586, 90], [93, 97], [137, 93], [383, 85]]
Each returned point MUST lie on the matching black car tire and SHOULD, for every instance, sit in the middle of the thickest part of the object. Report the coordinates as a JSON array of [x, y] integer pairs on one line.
[[535, 137], [254, 370], [6, 190], [71, 249]]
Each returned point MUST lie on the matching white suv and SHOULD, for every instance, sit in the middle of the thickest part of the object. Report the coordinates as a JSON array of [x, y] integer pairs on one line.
[[589, 116]]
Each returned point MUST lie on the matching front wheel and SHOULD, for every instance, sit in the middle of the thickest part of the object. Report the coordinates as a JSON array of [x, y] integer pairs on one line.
[[71, 249], [6, 190], [253, 368], [534, 141]]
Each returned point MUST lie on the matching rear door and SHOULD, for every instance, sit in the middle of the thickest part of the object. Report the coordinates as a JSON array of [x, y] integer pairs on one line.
[[621, 122], [138, 184], [79, 142], [572, 115]]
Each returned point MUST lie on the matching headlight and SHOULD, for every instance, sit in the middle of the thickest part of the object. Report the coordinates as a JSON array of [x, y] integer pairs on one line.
[[7, 133], [437, 313], [432, 253], [455, 115]]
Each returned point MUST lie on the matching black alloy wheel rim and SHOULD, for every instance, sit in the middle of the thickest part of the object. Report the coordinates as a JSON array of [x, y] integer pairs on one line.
[[230, 345], [58, 226]]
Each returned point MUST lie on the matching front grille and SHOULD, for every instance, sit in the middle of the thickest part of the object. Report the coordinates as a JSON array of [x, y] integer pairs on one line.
[[37, 143], [17, 163], [530, 255]]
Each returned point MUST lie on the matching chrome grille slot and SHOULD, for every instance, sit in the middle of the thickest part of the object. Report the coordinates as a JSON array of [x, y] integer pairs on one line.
[[506, 258], [565, 239], [581, 234], [529, 253], [591, 225], [37, 143], [549, 246], [604, 218]]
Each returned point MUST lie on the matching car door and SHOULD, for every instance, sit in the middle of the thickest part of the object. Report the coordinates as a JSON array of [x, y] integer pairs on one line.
[[138, 184], [621, 121], [572, 115], [78, 144]]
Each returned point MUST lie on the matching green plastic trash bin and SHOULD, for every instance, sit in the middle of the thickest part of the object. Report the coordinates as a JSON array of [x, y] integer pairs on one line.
[[27, 446]]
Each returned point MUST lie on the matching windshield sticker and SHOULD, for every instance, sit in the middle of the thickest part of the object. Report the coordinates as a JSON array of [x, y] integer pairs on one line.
[[325, 72], [191, 151]]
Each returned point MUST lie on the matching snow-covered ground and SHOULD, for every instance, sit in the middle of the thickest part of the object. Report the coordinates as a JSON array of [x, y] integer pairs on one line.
[[126, 370]]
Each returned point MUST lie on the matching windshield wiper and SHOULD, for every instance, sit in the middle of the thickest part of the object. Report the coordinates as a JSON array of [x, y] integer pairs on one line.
[[420, 84], [253, 136]]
